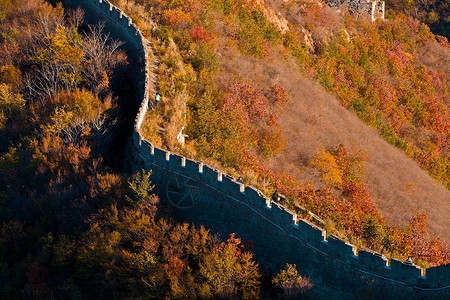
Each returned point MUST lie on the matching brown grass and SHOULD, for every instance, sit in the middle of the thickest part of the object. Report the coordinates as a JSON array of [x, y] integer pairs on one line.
[[314, 119]]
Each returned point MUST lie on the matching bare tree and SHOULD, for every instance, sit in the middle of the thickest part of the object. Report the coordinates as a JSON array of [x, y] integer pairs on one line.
[[58, 59], [100, 51], [40, 84], [45, 77], [75, 18]]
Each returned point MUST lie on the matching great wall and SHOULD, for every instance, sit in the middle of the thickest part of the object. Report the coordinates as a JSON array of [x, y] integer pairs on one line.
[[375, 8], [206, 196]]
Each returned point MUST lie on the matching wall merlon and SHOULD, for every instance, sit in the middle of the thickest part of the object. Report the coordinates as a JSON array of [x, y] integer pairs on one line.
[[152, 150], [295, 220], [268, 204]]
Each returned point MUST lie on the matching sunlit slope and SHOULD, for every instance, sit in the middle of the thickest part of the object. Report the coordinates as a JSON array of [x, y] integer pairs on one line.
[[220, 66], [314, 119]]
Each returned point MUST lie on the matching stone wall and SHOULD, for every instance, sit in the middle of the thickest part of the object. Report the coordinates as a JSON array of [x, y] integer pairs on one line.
[[375, 8], [208, 197], [205, 196]]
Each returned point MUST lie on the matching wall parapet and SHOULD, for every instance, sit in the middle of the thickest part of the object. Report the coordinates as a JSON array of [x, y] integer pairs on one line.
[[194, 180]]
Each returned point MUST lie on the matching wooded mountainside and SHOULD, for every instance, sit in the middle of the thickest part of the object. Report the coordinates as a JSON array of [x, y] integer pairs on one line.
[[434, 13], [380, 71], [73, 224]]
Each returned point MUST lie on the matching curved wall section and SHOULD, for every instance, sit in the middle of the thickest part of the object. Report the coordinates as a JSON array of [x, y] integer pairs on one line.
[[207, 197]]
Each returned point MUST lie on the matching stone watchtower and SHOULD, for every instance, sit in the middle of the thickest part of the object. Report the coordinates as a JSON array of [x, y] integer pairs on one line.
[[375, 8]]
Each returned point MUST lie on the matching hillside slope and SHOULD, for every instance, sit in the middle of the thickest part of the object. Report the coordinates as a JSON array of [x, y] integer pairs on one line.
[[224, 71], [314, 119]]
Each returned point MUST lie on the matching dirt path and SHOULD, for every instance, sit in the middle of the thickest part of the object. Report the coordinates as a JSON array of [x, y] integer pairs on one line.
[[314, 119]]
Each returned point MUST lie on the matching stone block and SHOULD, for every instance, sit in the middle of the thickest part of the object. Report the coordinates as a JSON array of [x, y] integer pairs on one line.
[[132, 31], [116, 14], [439, 276], [341, 249], [255, 198], [310, 233], [136, 139], [160, 156], [229, 187], [191, 168], [282, 216], [175, 162], [146, 149], [373, 261], [104, 6], [124, 21], [405, 271], [209, 176]]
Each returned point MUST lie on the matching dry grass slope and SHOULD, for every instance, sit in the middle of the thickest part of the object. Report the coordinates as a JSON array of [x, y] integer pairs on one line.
[[314, 119]]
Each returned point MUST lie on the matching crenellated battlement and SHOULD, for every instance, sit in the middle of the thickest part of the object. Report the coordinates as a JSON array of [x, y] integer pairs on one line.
[[209, 197], [288, 222]]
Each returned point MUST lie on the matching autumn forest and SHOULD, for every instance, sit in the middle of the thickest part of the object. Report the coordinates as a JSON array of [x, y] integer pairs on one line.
[[75, 222]]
